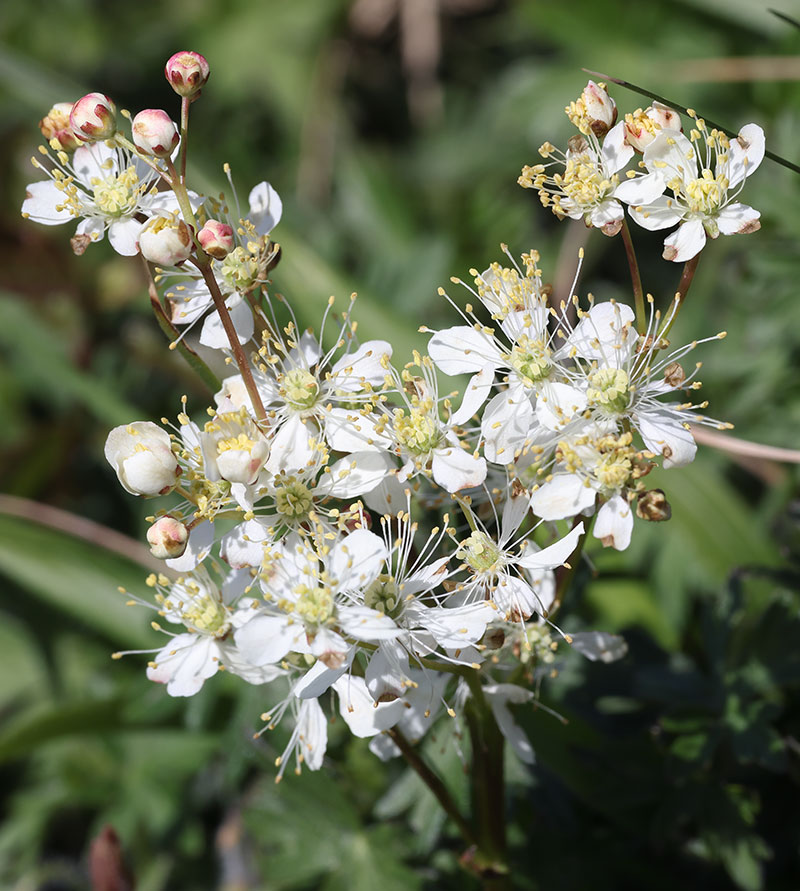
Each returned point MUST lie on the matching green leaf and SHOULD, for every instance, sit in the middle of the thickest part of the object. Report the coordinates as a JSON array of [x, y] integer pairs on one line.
[[27, 339], [74, 577]]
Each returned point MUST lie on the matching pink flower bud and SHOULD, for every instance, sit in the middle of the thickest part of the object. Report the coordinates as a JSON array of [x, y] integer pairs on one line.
[[601, 110], [187, 73], [55, 125], [154, 133], [167, 538], [93, 118], [642, 127], [166, 241], [216, 239]]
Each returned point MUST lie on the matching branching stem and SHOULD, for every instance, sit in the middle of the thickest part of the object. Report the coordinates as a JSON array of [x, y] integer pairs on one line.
[[636, 279]]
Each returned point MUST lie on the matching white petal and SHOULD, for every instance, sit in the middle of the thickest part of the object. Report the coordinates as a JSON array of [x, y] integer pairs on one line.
[[499, 695], [123, 236], [686, 242], [355, 475], [738, 219], [565, 495], [363, 366], [387, 672], [475, 395], [604, 334], [265, 640], [363, 623], [557, 404], [462, 350], [307, 352], [671, 154], [292, 448], [319, 678], [746, 153], [185, 663], [41, 202], [312, 729], [387, 498], [455, 627], [599, 645], [454, 469], [506, 422], [350, 431], [266, 208], [616, 152], [517, 599], [201, 538], [244, 544], [614, 523], [665, 435], [357, 559], [359, 710], [555, 554], [213, 334], [607, 216], [661, 213], [641, 189]]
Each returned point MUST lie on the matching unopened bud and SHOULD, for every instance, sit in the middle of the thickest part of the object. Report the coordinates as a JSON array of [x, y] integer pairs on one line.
[[93, 118], [601, 110], [141, 454], [155, 133], [216, 239], [55, 125], [187, 73], [642, 127], [167, 538], [166, 241], [653, 506]]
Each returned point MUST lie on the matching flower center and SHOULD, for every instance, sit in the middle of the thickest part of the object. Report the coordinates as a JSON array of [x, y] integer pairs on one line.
[[583, 181], [706, 194], [116, 196], [531, 361], [418, 433], [314, 605], [204, 613], [240, 269], [480, 553], [294, 500], [613, 471], [300, 389], [383, 595], [240, 443], [609, 390]]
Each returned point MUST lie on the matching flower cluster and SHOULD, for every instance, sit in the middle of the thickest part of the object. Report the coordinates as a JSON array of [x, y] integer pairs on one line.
[[337, 527]]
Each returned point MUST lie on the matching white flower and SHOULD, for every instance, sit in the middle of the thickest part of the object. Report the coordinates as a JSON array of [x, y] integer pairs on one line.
[[588, 187], [107, 189], [705, 174], [538, 394]]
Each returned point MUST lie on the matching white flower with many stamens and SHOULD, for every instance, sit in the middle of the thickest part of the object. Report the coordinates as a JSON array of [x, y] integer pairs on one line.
[[588, 187], [417, 435], [624, 376], [705, 174], [240, 272], [537, 392], [107, 189], [508, 568], [210, 615]]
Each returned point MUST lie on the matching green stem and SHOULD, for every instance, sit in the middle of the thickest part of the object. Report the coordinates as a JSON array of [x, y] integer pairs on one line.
[[488, 789], [687, 276], [434, 783], [636, 279]]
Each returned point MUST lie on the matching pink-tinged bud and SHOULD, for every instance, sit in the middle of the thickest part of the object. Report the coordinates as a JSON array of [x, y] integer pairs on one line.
[[601, 110], [167, 538], [155, 133], [55, 126], [187, 73], [216, 239], [166, 241], [642, 127], [93, 118]]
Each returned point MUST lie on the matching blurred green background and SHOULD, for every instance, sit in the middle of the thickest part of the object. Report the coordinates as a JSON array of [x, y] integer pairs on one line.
[[394, 130]]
